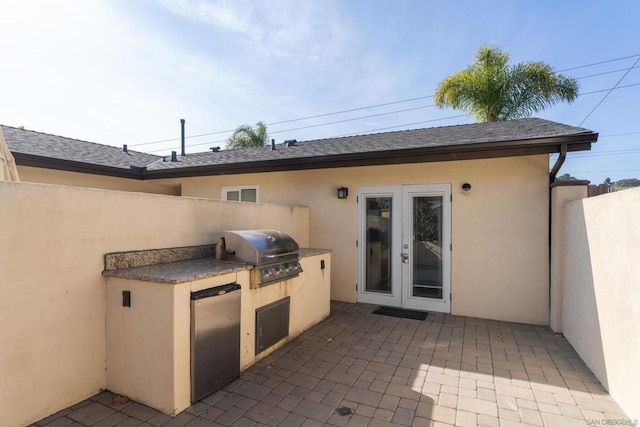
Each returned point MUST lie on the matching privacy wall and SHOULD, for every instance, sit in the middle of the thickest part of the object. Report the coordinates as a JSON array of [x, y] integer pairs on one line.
[[52, 242], [601, 290]]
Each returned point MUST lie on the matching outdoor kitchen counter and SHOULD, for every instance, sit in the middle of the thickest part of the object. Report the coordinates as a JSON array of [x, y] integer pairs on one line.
[[148, 313], [190, 270], [180, 271]]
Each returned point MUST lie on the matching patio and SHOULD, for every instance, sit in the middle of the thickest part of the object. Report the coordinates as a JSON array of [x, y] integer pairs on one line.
[[361, 369]]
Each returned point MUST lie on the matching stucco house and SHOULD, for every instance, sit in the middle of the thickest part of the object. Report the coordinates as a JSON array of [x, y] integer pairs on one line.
[[450, 219]]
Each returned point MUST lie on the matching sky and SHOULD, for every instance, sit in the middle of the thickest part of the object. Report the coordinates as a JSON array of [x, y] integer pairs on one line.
[[125, 72]]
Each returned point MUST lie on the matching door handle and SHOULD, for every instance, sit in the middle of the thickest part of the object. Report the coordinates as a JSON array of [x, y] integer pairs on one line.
[[405, 258]]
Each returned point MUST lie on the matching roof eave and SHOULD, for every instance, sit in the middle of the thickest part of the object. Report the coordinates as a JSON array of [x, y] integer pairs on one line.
[[31, 160]]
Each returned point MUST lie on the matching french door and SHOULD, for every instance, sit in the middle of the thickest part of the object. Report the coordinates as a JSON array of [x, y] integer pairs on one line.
[[404, 257]]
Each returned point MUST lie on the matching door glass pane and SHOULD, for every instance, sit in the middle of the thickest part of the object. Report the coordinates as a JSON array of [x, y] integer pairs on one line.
[[378, 246], [249, 195], [427, 247]]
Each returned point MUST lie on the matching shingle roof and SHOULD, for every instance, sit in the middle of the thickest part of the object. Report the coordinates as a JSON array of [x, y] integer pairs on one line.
[[437, 137], [22, 141], [494, 139]]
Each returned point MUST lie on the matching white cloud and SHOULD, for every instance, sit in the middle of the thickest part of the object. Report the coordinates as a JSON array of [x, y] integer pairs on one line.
[[223, 15], [88, 71], [280, 28], [114, 72], [296, 55]]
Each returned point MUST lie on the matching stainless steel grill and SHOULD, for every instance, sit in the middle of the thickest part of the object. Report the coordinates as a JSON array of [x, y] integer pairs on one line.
[[274, 253]]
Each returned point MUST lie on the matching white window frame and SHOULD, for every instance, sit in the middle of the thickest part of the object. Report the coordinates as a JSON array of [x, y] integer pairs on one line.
[[239, 189]]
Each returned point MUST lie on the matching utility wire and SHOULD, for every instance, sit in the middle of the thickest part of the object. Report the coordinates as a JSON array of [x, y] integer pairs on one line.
[[603, 73], [383, 104], [393, 103], [368, 107], [605, 153], [610, 89], [605, 171], [381, 114], [360, 118], [347, 134], [391, 112], [352, 110], [399, 126], [355, 118], [339, 121], [599, 63], [609, 93], [619, 134], [326, 123]]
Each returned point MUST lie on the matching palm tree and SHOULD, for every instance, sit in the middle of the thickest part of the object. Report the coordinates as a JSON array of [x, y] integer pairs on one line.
[[490, 89], [245, 136]]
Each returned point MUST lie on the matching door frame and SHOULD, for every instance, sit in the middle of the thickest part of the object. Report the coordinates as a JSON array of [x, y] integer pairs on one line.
[[418, 303], [395, 298], [401, 274]]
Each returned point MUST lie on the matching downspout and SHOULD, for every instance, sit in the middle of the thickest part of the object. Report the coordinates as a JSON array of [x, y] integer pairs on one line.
[[552, 178], [559, 163]]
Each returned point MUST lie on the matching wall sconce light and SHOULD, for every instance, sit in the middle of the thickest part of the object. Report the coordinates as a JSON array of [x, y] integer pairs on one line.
[[466, 188], [343, 192]]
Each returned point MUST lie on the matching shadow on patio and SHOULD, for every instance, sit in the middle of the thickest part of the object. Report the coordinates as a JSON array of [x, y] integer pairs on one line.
[[361, 369]]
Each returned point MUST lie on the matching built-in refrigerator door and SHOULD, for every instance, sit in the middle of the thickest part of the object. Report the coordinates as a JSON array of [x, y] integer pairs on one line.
[[215, 339]]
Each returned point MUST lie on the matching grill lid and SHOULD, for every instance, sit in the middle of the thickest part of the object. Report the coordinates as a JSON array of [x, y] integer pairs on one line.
[[261, 246]]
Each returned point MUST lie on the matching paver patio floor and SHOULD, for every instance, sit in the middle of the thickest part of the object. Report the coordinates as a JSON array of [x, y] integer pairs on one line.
[[361, 369]]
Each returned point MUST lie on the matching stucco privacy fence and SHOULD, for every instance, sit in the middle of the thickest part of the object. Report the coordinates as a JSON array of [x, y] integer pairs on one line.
[[53, 305], [595, 284]]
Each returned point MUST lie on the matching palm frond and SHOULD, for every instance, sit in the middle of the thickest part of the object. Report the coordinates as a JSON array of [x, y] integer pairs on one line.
[[246, 136], [490, 89]]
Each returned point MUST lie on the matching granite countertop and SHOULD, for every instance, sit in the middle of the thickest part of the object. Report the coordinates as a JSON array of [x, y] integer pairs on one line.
[[179, 271], [184, 270], [306, 252]]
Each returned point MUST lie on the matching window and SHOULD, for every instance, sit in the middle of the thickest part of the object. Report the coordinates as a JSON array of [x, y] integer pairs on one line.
[[245, 193]]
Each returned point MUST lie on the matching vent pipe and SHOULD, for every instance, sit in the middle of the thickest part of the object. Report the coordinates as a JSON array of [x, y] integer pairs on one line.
[[124, 148], [174, 156], [273, 144], [182, 136]]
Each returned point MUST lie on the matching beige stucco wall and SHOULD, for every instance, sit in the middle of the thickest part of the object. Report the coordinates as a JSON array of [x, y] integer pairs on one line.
[[148, 343], [601, 313], [53, 304], [561, 194], [500, 258], [51, 176]]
